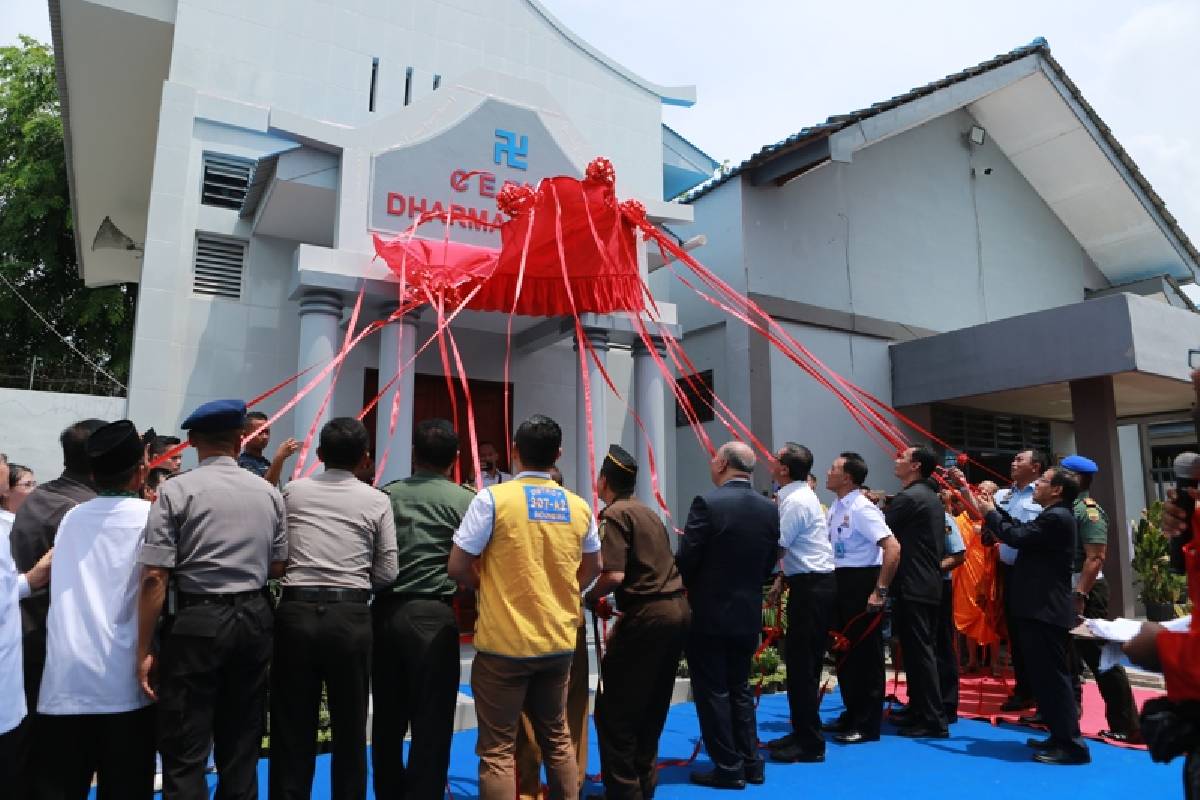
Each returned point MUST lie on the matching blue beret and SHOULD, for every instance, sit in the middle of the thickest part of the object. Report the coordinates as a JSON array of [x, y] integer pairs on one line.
[[216, 416], [1080, 464]]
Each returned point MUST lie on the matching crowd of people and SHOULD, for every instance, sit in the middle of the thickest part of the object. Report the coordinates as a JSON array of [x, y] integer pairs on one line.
[[147, 626]]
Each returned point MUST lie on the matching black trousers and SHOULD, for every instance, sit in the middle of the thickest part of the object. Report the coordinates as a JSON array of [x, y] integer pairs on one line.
[[1120, 709], [315, 644], [117, 748], [212, 693], [1046, 649], [638, 677], [21, 748], [1021, 687], [811, 599], [720, 670], [1191, 776], [861, 673], [415, 684], [947, 656], [917, 625]]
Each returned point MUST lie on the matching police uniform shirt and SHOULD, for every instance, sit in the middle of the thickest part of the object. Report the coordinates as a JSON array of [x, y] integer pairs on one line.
[[1020, 506], [856, 527], [954, 542], [634, 540], [1092, 526], [12, 680], [427, 509], [803, 531], [218, 527], [92, 630], [256, 464], [340, 533]]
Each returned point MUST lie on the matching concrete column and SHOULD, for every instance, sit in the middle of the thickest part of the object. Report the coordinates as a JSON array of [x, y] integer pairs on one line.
[[587, 461], [397, 343], [1094, 408], [650, 405], [320, 314]]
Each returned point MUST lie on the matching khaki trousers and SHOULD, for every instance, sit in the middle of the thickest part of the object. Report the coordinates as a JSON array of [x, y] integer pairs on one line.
[[529, 756], [502, 688]]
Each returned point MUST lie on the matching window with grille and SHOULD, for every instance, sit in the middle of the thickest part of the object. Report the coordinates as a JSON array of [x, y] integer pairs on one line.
[[218, 266], [968, 429], [226, 179]]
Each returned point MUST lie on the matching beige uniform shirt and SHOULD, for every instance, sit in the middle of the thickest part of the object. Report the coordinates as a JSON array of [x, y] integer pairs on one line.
[[218, 527], [340, 533]]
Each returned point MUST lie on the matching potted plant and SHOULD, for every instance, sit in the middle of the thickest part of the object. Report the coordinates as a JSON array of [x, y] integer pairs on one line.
[[1161, 589]]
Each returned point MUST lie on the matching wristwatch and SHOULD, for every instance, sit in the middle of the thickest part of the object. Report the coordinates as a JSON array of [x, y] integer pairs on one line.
[[882, 591]]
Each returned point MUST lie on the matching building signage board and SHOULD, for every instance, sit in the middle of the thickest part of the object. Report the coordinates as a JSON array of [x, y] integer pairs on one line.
[[464, 167]]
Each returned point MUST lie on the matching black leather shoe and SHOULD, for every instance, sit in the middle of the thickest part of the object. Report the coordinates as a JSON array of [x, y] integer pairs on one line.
[[782, 743], [1015, 703], [1062, 757], [853, 737], [901, 718], [755, 772], [1041, 744], [924, 732], [1032, 719], [717, 779], [794, 755], [838, 725], [1121, 738]]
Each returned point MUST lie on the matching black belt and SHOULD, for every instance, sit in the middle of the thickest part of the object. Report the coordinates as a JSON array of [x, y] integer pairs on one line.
[[324, 594], [633, 601], [186, 599], [404, 597]]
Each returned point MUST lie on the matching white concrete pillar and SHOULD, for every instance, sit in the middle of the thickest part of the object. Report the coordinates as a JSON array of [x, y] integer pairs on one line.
[[397, 344], [320, 314], [650, 405], [586, 462]]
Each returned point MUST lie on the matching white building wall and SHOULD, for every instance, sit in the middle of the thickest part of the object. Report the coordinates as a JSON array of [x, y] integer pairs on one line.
[[31, 422], [905, 233]]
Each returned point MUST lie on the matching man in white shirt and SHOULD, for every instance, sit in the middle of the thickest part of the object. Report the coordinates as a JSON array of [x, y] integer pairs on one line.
[[489, 465], [865, 555], [806, 554], [90, 701], [1027, 466]]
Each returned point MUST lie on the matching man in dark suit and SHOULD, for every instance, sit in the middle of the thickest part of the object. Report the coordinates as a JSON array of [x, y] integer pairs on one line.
[[727, 552], [918, 519], [1040, 586]]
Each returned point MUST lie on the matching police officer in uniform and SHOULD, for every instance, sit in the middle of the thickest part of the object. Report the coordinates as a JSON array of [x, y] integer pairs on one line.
[[1090, 597], [638, 670], [217, 532]]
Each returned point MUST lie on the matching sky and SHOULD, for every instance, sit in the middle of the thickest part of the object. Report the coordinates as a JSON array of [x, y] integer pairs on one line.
[[764, 69]]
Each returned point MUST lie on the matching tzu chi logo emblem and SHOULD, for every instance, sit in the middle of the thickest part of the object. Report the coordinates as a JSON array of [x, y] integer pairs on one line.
[[511, 149]]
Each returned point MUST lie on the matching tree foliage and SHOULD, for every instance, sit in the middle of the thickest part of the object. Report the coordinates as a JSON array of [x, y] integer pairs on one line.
[[37, 246]]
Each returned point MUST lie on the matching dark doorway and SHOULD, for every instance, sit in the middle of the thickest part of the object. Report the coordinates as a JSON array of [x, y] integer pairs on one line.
[[431, 398]]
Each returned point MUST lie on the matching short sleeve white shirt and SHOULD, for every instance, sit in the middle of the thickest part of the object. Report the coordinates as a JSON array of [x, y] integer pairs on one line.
[[12, 681], [803, 531], [856, 527], [475, 530], [92, 628]]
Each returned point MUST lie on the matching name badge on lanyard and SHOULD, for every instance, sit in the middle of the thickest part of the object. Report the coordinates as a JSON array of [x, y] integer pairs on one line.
[[839, 546]]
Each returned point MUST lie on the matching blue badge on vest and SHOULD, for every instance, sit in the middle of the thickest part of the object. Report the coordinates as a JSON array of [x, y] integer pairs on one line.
[[547, 504]]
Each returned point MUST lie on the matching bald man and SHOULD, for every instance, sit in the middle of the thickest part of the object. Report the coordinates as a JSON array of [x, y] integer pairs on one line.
[[726, 554]]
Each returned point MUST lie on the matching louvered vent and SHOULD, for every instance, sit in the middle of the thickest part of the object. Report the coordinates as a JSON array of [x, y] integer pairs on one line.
[[217, 271], [226, 179]]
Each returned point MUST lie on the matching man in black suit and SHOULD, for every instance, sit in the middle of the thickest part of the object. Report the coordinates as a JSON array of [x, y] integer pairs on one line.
[[918, 519], [1040, 587], [727, 552]]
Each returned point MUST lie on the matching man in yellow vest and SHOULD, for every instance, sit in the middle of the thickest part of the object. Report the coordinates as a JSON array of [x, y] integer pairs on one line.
[[527, 546]]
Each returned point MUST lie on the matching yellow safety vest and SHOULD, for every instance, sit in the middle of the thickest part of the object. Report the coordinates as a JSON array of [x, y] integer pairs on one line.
[[528, 588]]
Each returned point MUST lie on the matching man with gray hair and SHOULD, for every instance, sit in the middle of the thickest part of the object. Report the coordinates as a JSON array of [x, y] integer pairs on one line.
[[726, 553]]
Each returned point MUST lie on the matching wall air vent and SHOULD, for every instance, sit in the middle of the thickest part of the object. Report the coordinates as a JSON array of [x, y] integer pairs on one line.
[[218, 266]]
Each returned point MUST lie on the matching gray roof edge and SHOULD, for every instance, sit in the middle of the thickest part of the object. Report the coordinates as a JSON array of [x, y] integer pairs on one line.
[[670, 95], [64, 110]]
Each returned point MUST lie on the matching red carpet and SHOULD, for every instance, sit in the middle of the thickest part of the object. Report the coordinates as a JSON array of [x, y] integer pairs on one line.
[[980, 697]]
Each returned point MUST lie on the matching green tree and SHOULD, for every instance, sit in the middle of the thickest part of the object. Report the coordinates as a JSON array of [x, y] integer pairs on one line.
[[37, 246]]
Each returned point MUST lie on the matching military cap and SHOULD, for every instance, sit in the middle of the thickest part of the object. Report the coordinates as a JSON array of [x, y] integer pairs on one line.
[[1080, 464], [619, 457], [217, 416], [115, 448]]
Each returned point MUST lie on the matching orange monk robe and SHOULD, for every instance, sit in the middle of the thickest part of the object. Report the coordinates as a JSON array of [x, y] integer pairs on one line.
[[976, 602]]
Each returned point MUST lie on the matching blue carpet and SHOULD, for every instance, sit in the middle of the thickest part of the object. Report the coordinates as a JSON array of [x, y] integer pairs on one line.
[[978, 762]]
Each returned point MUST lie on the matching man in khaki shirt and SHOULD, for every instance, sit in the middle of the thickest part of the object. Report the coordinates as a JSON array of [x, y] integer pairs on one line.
[[341, 544]]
